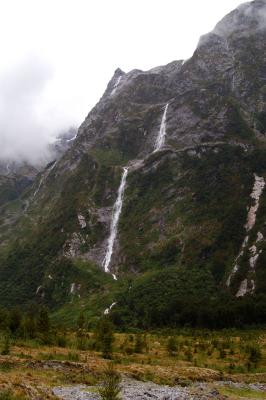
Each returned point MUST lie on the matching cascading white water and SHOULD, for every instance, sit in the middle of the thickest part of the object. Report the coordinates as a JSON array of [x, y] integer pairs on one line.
[[119, 201], [114, 222], [43, 178], [73, 138], [116, 85], [107, 310], [162, 132], [39, 186]]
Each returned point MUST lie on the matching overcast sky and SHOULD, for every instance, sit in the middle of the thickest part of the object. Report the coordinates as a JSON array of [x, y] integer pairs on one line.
[[57, 56]]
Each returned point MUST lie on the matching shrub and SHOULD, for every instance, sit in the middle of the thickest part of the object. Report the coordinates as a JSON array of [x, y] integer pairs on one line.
[[255, 355], [139, 344], [8, 395], [6, 346], [111, 384], [171, 345], [71, 356], [105, 337]]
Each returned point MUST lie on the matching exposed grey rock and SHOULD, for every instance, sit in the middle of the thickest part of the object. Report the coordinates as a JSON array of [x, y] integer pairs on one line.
[[137, 390]]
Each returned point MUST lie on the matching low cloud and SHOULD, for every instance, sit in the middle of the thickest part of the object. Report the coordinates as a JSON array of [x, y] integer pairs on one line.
[[24, 129], [249, 17]]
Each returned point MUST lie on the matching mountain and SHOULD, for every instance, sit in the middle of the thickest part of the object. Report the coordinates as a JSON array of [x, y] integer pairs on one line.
[[17, 178], [14, 179], [163, 187]]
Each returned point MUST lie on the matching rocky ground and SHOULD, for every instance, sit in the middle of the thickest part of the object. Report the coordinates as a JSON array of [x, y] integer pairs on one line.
[[135, 390]]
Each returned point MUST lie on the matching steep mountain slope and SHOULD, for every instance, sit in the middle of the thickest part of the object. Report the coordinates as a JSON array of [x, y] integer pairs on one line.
[[14, 179], [17, 178], [190, 209]]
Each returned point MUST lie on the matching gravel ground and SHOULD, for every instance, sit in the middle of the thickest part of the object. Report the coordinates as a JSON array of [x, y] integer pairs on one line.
[[136, 390]]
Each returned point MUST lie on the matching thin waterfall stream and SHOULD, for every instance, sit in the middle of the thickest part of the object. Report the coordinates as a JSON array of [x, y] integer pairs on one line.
[[117, 208], [162, 132], [114, 222]]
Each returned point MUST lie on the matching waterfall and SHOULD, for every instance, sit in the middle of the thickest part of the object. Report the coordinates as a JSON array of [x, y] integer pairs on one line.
[[119, 201], [114, 222], [107, 310], [162, 132], [39, 186], [116, 85], [45, 176], [73, 138]]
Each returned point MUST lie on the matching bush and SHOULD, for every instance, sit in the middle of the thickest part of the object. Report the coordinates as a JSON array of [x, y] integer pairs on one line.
[[61, 341], [139, 344], [8, 395], [255, 355], [6, 346], [71, 356], [111, 384], [104, 337], [43, 326], [171, 345]]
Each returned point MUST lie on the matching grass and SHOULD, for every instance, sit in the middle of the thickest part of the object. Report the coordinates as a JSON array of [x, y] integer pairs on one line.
[[198, 356], [70, 356], [9, 395], [242, 393], [6, 366]]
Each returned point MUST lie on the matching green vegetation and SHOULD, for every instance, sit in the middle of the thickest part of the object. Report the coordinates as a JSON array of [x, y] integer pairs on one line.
[[242, 393], [8, 395], [111, 384], [104, 337], [183, 297], [173, 356], [172, 232], [6, 345], [260, 121], [172, 345]]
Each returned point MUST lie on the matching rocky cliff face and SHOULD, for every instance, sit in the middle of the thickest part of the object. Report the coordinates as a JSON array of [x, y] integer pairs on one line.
[[196, 202]]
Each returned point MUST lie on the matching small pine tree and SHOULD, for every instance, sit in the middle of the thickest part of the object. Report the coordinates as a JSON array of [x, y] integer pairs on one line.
[[171, 345], [81, 333], [43, 322], [29, 326], [82, 339], [232, 352], [126, 346], [43, 325], [222, 353], [6, 345], [105, 337], [111, 384], [188, 354], [255, 356], [139, 344], [15, 319], [231, 368], [81, 321], [4, 318]]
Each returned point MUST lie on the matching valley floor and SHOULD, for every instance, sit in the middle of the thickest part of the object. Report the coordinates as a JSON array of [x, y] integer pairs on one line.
[[199, 366]]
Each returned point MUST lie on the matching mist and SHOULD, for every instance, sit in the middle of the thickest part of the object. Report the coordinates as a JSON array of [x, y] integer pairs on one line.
[[245, 15], [57, 58], [26, 125]]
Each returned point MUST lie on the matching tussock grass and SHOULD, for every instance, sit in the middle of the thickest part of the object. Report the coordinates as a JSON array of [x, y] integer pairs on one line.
[[191, 356], [242, 393]]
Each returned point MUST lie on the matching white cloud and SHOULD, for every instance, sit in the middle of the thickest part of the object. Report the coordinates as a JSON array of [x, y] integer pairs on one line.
[[77, 45], [22, 133]]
